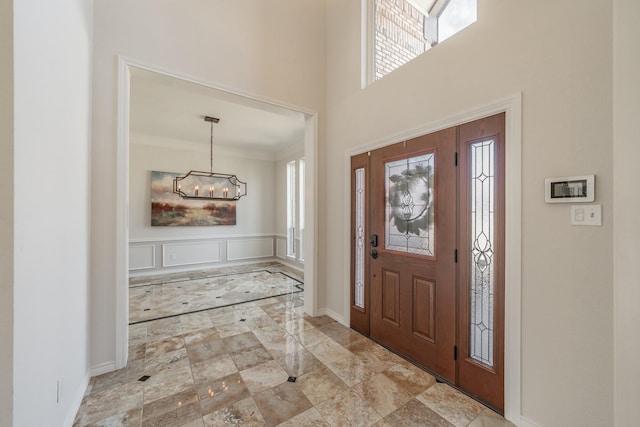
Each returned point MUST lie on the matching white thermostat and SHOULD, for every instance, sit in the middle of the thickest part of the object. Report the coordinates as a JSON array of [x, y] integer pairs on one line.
[[570, 189]]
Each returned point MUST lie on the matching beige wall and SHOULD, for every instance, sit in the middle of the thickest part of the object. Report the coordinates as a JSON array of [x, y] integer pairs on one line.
[[274, 50], [6, 212], [558, 55], [626, 152]]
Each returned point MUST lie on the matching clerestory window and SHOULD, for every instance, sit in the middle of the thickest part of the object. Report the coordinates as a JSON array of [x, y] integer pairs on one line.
[[405, 29]]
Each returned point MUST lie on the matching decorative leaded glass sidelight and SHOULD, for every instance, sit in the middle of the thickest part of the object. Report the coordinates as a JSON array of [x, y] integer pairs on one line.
[[482, 278], [409, 186], [360, 237]]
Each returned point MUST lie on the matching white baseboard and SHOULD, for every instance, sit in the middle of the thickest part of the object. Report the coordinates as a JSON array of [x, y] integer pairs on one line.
[[335, 316], [103, 368], [143, 273], [295, 265], [525, 422]]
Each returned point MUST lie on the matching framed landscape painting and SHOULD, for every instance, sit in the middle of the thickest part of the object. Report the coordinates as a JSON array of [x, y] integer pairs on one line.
[[168, 209]]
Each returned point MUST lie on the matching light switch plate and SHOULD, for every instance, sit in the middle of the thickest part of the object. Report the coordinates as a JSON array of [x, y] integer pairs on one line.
[[586, 215]]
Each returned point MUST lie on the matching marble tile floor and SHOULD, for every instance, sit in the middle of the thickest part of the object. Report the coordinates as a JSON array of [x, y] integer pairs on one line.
[[155, 297], [235, 365]]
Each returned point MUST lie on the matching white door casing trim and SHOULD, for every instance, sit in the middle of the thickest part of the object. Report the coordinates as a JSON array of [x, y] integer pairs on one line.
[[122, 197]]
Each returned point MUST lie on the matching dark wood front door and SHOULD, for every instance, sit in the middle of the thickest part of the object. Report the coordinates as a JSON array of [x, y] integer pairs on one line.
[[428, 253], [413, 275]]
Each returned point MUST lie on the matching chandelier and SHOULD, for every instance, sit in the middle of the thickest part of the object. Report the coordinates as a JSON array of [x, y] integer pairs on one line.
[[199, 185]]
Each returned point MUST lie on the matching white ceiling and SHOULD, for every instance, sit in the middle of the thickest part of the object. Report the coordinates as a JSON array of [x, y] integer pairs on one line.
[[172, 109]]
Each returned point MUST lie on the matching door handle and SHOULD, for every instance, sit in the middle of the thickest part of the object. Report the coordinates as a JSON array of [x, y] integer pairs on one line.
[[374, 254]]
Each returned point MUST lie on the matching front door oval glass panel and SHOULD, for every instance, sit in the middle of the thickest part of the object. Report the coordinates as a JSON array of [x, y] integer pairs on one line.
[[482, 185], [409, 208]]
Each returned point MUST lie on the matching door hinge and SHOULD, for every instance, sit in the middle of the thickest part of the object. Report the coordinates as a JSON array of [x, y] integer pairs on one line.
[[455, 352], [456, 158], [455, 256]]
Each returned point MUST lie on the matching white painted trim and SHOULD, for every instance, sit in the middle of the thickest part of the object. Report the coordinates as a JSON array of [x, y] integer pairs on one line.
[[499, 106], [346, 220], [335, 316], [223, 260], [130, 62], [281, 247], [122, 196], [311, 227], [122, 218], [222, 264], [367, 60], [513, 259], [200, 238], [238, 258], [512, 106], [102, 368], [165, 248], [153, 257], [525, 422], [295, 265]]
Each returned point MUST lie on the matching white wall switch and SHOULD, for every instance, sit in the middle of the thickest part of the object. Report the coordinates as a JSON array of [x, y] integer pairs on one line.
[[586, 215]]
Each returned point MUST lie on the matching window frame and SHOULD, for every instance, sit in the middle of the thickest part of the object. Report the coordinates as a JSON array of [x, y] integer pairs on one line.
[[300, 200], [291, 209], [368, 50], [432, 21]]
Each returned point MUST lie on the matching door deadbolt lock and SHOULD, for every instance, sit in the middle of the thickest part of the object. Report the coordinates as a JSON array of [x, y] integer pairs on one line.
[[374, 240]]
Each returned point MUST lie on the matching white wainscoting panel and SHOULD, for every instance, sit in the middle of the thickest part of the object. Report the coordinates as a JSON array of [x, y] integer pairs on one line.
[[155, 256], [249, 248], [142, 257], [281, 247], [176, 254]]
